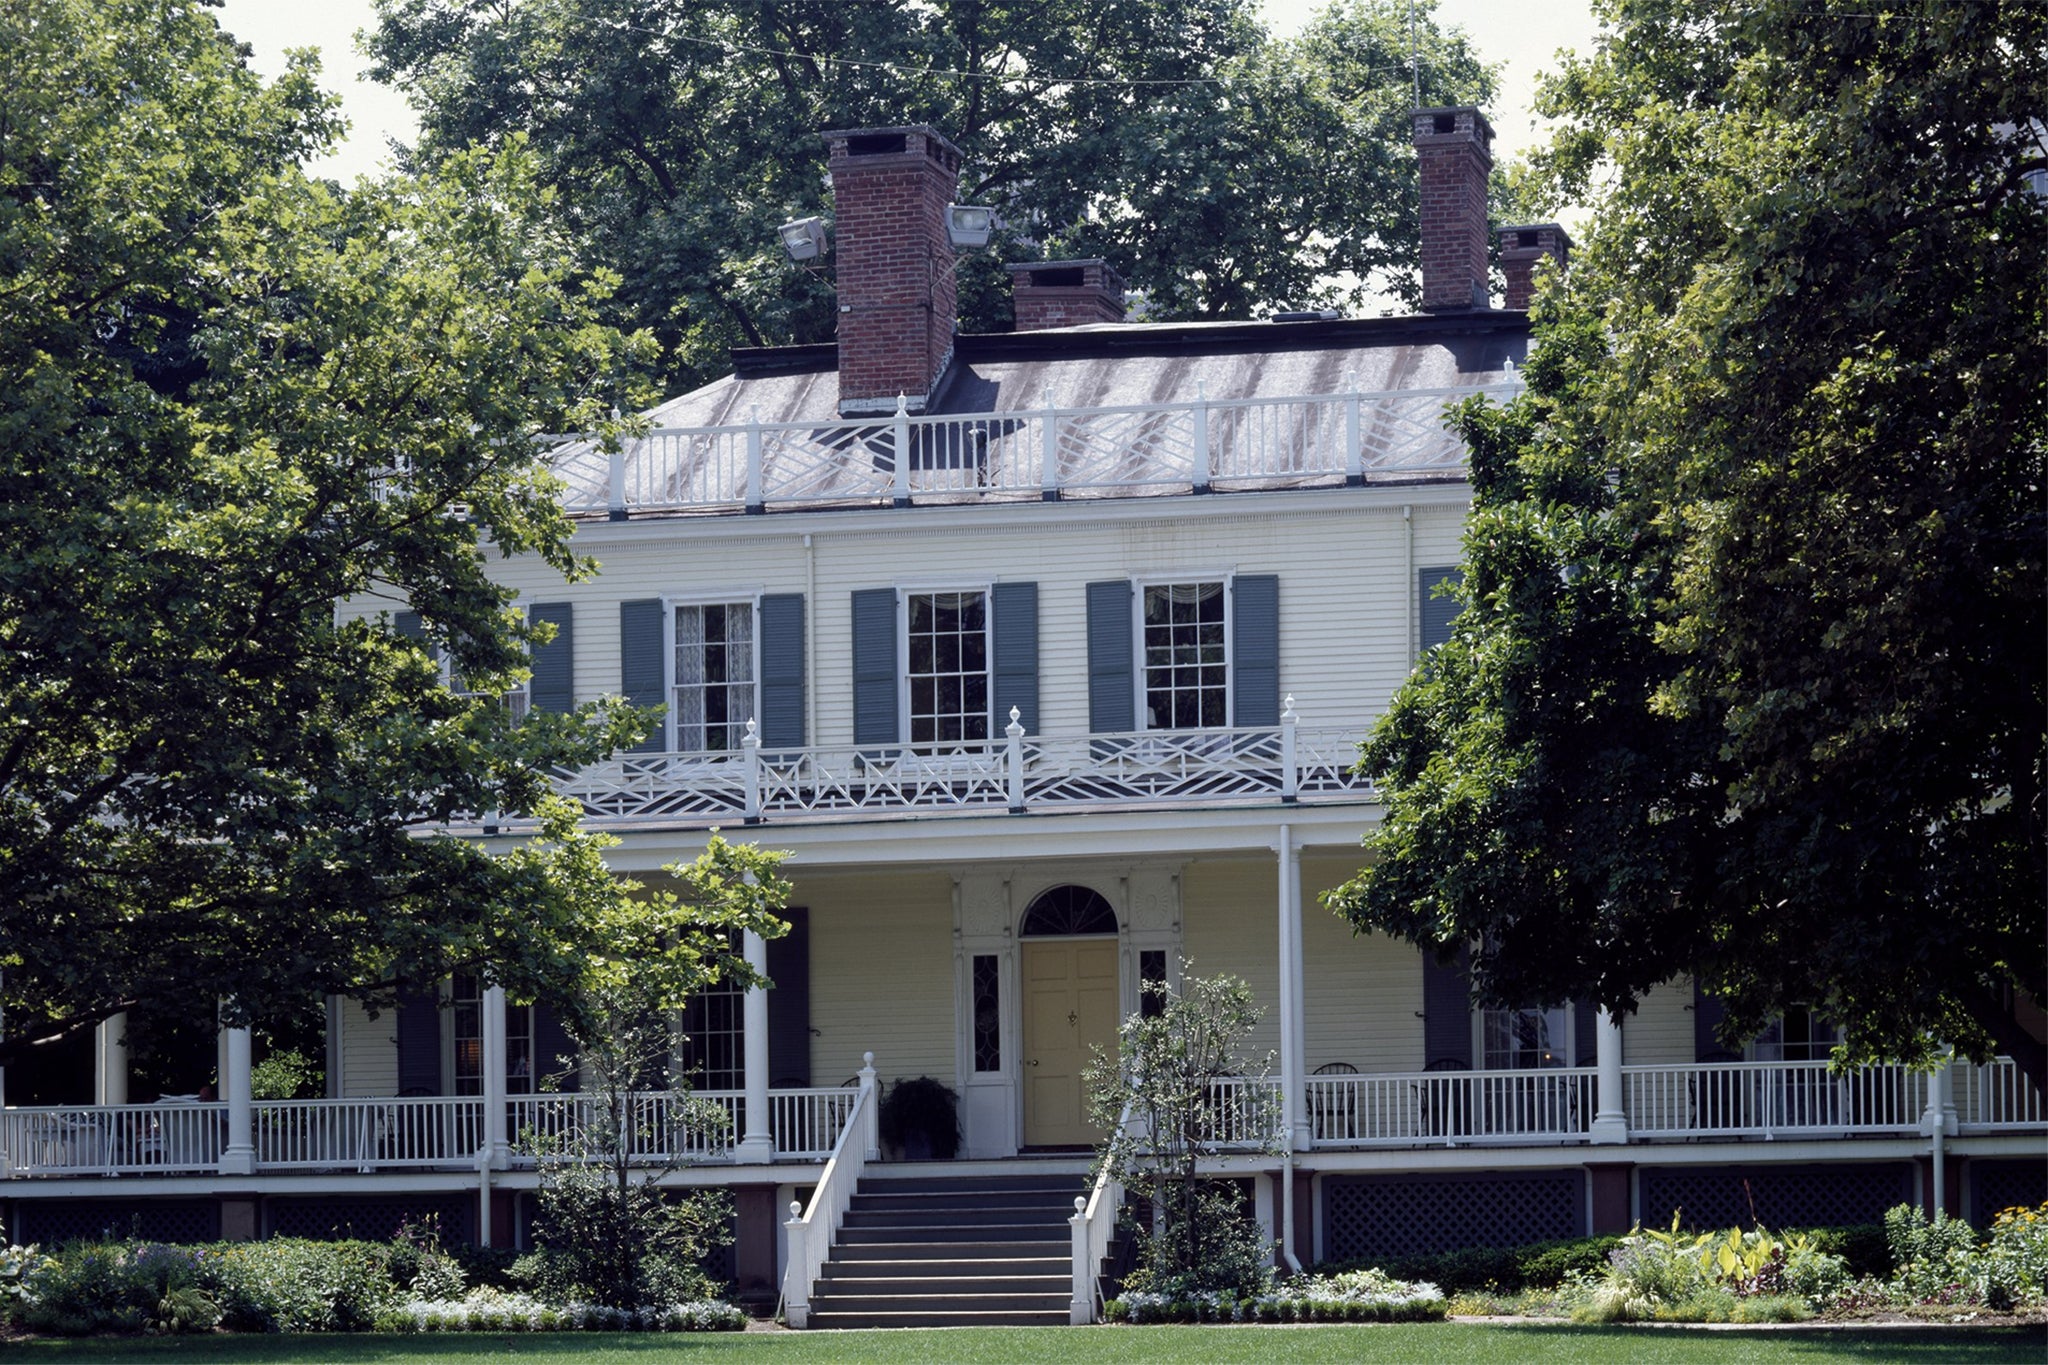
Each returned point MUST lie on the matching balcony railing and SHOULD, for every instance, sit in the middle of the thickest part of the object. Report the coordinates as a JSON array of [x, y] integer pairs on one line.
[[1014, 773], [1026, 455], [1734, 1100], [394, 1134]]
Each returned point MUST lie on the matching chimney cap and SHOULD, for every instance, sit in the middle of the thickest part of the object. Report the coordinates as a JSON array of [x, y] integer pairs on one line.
[[924, 130], [1444, 121], [1509, 235]]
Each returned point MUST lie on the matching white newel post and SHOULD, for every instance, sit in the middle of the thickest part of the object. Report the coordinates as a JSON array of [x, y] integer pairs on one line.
[[1354, 448], [1013, 760], [110, 1060], [1081, 1311], [902, 442], [871, 1126], [1201, 437], [757, 1143], [1049, 453], [796, 1294], [754, 495], [497, 1150], [750, 759], [1610, 1113], [1293, 1072], [1290, 779], [239, 1156]]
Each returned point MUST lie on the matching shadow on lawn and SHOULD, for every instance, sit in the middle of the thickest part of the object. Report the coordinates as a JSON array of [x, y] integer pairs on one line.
[[1947, 1345]]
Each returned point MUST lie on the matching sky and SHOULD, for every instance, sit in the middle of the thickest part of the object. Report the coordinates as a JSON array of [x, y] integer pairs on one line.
[[1522, 35]]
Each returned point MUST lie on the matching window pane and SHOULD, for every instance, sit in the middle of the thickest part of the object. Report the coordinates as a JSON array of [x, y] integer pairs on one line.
[[1186, 678]]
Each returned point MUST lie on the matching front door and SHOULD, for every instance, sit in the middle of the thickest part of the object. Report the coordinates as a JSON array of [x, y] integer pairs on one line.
[[1070, 1009]]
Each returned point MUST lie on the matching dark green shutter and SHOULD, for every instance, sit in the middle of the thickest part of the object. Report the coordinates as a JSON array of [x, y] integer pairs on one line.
[[1255, 649], [874, 666], [1586, 1027], [1016, 630], [553, 687], [419, 1044], [782, 670], [1707, 1014], [643, 671], [1436, 613], [554, 1051], [789, 1002], [1446, 1012], [1112, 697]]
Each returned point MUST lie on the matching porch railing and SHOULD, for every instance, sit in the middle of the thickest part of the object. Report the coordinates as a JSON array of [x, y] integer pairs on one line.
[[1451, 1107], [1288, 762], [369, 1134], [811, 1230], [1030, 454], [1737, 1099], [121, 1139]]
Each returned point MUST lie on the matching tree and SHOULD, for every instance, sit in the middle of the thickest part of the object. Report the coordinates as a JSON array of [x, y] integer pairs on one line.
[[230, 398], [1749, 679], [608, 1229], [1220, 170], [1166, 1106]]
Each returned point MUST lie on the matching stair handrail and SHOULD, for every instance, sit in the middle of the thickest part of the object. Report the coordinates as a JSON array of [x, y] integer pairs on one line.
[[812, 1231], [1094, 1226]]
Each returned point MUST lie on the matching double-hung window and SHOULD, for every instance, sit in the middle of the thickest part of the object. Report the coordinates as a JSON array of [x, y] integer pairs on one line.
[[1525, 1039], [466, 1001], [946, 667], [1185, 643], [712, 676]]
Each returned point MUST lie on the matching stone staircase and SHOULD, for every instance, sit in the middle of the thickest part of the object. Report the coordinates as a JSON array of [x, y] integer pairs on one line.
[[951, 1251]]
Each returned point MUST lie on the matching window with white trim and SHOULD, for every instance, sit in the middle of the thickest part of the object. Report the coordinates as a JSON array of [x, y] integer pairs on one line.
[[714, 1044], [466, 1017], [1797, 1035], [946, 667], [1524, 1039], [515, 698], [712, 676], [1184, 645]]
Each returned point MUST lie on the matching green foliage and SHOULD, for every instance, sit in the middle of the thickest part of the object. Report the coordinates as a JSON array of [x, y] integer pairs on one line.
[[1162, 1104], [282, 1285], [1220, 170], [1502, 1269], [491, 1310], [1733, 1276], [230, 397], [923, 1109], [1925, 1253], [1770, 505], [287, 1074]]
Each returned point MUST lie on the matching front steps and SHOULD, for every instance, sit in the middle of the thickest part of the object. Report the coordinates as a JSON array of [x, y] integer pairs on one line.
[[951, 1251]]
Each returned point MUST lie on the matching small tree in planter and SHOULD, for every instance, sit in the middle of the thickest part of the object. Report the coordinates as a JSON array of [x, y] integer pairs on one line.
[[1172, 1079], [921, 1119]]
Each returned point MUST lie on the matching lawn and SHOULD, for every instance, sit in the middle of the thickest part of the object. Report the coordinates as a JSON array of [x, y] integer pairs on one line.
[[1464, 1343]]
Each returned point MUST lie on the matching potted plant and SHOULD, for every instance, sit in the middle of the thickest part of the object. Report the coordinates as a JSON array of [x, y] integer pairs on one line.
[[920, 1118]]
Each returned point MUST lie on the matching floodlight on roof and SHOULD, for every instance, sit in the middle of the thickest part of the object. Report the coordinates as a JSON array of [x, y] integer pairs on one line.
[[803, 238], [969, 225]]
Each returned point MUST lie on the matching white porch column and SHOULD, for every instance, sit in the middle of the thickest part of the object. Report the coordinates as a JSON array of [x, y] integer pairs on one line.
[[239, 1156], [757, 1144], [110, 1060], [497, 1152], [1610, 1114], [1293, 1069]]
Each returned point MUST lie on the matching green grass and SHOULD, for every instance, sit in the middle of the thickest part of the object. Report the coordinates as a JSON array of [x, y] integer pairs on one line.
[[1462, 1343]]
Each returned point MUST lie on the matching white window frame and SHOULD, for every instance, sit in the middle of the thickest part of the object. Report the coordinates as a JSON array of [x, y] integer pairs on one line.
[[748, 597], [906, 591], [519, 1024], [1772, 1040], [1563, 1042], [1142, 712]]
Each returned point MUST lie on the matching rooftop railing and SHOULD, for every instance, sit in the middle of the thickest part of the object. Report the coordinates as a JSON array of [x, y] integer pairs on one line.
[[1027, 455]]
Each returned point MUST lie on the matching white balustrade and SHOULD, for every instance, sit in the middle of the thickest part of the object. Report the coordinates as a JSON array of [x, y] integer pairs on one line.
[[1771, 1099], [811, 1231], [1094, 1227], [170, 1138], [1451, 1107], [1124, 450], [1006, 773]]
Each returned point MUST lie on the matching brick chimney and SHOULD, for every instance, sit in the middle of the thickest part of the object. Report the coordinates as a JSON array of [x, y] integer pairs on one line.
[[1065, 293], [1455, 147], [897, 298], [1521, 248]]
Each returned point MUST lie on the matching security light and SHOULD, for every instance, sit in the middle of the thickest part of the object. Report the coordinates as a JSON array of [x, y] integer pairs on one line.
[[803, 238], [969, 225]]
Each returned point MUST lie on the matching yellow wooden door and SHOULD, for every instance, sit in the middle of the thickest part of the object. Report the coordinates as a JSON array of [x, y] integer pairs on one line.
[[1070, 1009]]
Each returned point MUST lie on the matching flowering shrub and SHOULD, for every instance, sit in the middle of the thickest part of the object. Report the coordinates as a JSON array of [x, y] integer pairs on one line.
[[1353, 1296], [16, 1265], [492, 1310], [1942, 1262], [1734, 1276]]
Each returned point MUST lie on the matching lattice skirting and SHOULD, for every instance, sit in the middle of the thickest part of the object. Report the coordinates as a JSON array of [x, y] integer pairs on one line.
[[1996, 1185], [1389, 1215], [48, 1222], [375, 1218], [1777, 1197]]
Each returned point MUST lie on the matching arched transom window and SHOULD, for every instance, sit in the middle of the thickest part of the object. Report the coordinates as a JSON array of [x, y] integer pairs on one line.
[[1067, 910]]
